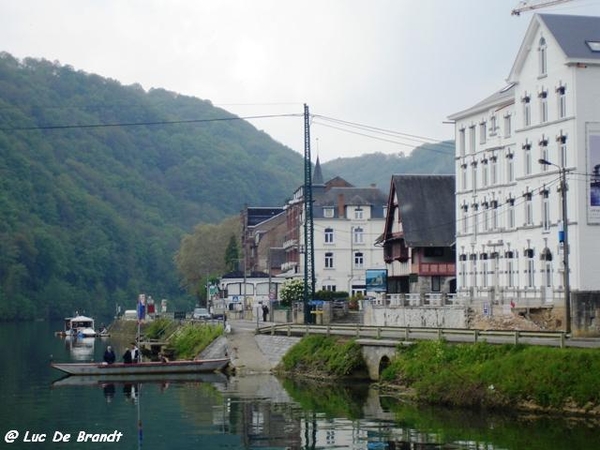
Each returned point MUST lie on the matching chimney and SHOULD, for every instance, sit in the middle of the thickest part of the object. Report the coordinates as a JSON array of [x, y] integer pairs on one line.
[[341, 206]]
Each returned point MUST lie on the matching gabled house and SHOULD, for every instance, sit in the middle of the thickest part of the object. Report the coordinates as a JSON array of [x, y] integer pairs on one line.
[[347, 221], [419, 233]]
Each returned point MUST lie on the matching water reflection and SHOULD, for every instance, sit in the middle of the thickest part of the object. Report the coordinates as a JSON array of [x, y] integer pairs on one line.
[[249, 412], [81, 349]]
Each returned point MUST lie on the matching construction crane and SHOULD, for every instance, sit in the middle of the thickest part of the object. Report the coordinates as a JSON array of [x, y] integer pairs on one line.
[[529, 6]]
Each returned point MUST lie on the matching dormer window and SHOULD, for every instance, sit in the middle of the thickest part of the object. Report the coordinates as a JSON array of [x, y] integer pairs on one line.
[[543, 54], [593, 45]]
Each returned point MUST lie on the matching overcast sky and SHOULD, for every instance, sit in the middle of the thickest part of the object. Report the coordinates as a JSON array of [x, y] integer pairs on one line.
[[397, 65]]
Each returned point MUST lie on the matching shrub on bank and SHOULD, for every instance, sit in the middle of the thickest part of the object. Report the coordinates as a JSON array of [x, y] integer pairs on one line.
[[191, 339], [324, 356], [497, 375]]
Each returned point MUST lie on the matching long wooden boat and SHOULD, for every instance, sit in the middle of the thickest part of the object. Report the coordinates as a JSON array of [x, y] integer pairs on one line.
[[215, 378], [190, 366]]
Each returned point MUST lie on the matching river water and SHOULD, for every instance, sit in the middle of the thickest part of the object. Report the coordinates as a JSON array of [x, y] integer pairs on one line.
[[40, 409]]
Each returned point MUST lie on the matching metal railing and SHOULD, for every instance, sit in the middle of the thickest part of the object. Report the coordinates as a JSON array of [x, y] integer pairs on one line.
[[406, 334]]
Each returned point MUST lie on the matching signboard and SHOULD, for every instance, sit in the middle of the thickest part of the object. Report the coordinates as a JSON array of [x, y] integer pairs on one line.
[[593, 160], [376, 280]]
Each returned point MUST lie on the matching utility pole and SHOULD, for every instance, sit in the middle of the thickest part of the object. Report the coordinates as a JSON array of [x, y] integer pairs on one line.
[[309, 249]]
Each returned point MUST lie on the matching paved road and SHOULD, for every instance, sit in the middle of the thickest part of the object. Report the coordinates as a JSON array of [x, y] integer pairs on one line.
[[250, 353]]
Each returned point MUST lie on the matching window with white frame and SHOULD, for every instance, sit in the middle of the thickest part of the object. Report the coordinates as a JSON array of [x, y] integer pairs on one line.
[[359, 260], [526, 111], [329, 287], [463, 273], [562, 150], [465, 216], [463, 173], [562, 102], [484, 172], [358, 213], [545, 210], [329, 260], [493, 170], [510, 215], [507, 125], [484, 271], [510, 168], [547, 274], [475, 218], [543, 57], [358, 235], [528, 209], [527, 158], [472, 140], [493, 126], [543, 96], [328, 213], [494, 205], [544, 153], [482, 132], [510, 269], [530, 272], [474, 175], [486, 216], [474, 270], [329, 235], [462, 142]]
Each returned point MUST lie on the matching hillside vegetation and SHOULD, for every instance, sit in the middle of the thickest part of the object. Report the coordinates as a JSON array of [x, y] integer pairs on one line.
[[378, 168], [100, 181]]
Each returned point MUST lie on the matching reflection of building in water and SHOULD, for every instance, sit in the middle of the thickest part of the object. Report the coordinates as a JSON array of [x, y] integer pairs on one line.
[[267, 424], [81, 349]]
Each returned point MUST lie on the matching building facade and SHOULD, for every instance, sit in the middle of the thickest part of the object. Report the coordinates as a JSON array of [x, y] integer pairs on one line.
[[514, 152], [418, 237], [347, 221]]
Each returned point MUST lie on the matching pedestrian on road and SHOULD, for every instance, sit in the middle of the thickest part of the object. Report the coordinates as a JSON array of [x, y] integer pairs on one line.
[[265, 310]]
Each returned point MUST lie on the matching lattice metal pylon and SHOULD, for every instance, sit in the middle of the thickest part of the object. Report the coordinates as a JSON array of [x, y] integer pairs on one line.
[[309, 248]]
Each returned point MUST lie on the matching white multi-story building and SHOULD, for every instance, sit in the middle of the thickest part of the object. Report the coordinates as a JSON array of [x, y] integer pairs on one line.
[[347, 221], [509, 231]]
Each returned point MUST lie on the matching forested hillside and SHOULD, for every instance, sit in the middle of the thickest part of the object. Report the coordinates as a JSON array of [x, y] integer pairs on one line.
[[378, 168], [99, 182]]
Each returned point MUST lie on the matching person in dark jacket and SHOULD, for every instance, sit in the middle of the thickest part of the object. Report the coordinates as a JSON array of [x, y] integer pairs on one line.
[[109, 355], [127, 357]]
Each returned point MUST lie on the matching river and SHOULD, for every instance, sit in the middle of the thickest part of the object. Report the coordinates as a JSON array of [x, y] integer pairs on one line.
[[40, 409]]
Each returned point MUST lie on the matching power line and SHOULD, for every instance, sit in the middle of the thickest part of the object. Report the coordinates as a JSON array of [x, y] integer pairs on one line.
[[140, 124]]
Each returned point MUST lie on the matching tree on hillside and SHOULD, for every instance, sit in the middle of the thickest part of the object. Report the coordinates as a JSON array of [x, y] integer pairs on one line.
[[232, 254], [202, 253]]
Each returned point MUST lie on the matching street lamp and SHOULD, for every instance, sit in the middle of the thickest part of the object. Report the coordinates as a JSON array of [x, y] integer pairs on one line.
[[564, 240]]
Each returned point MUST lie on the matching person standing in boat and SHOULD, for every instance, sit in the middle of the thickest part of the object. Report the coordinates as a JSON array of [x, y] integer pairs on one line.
[[135, 353], [127, 357], [109, 355]]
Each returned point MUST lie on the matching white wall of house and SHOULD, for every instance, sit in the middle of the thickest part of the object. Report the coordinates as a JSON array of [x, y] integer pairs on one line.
[[490, 232], [344, 248]]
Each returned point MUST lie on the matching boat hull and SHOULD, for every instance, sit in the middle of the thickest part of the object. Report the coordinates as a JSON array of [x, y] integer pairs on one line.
[[193, 366]]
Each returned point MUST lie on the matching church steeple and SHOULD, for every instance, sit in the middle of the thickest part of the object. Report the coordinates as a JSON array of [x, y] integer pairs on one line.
[[317, 178]]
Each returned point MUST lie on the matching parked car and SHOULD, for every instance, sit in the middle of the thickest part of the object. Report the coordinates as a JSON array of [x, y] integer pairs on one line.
[[201, 314]]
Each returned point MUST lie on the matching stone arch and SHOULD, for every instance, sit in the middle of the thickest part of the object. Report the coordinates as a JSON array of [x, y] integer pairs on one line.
[[384, 362]]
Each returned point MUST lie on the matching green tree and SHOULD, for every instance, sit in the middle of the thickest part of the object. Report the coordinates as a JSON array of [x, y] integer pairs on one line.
[[232, 254], [291, 291]]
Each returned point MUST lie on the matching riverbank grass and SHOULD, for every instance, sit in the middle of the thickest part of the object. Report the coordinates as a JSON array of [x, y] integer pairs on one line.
[[190, 339], [497, 376], [323, 357]]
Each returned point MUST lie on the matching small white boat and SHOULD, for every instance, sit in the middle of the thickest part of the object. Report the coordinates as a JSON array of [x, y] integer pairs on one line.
[[79, 326], [187, 366]]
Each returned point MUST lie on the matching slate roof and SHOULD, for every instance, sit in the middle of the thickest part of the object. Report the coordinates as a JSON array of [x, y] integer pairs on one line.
[[427, 209], [572, 32], [258, 214]]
